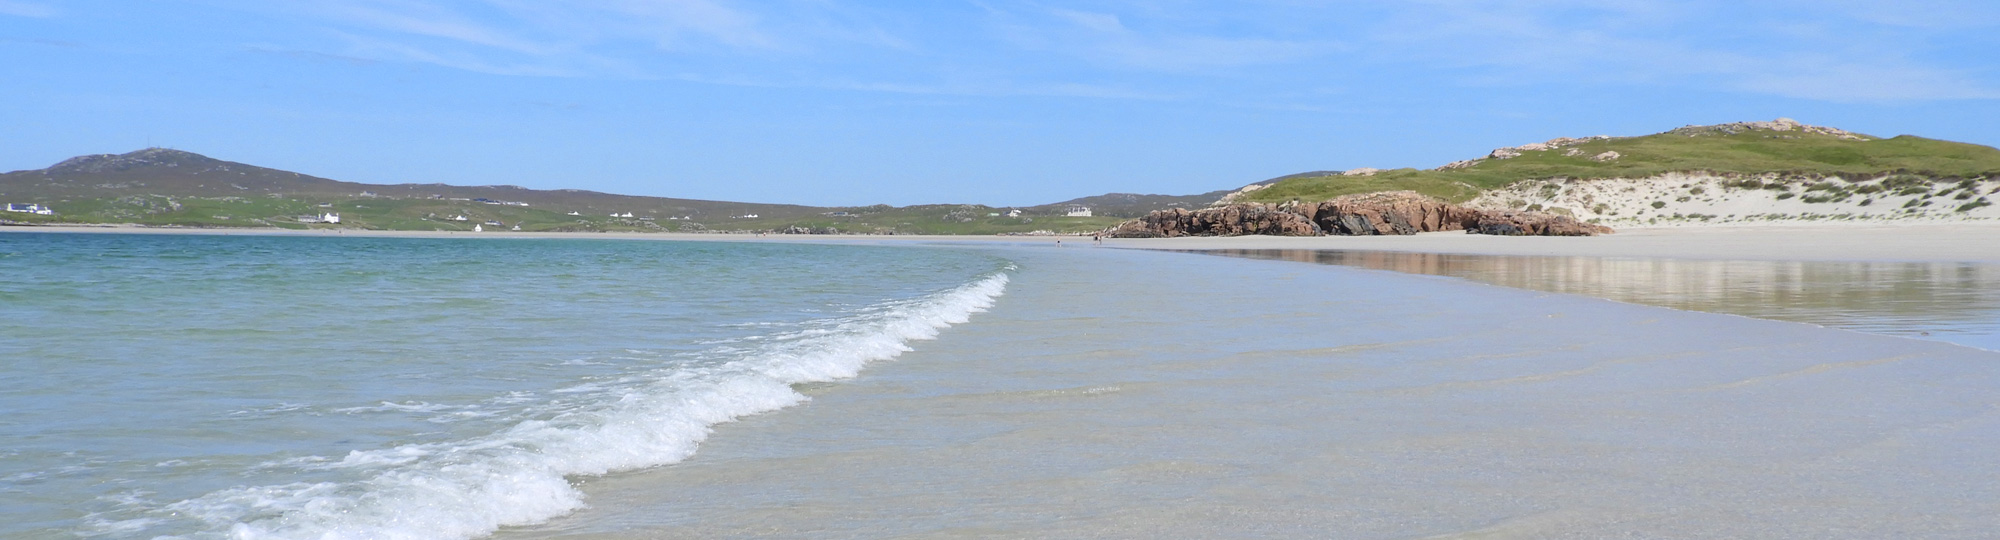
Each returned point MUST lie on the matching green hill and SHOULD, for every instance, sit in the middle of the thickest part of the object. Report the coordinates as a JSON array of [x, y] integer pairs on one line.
[[171, 188], [1752, 148]]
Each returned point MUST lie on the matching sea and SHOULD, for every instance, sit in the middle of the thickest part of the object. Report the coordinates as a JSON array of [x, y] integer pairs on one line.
[[248, 386], [281, 387]]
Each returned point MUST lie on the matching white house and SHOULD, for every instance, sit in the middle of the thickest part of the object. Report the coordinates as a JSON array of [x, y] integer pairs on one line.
[[31, 209], [330, 217], [1078, 211], [1014, 213], [477, 228], [458, 218]]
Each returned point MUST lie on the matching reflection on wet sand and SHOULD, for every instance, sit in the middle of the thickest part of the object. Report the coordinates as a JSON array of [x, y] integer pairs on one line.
[[1954, 302]]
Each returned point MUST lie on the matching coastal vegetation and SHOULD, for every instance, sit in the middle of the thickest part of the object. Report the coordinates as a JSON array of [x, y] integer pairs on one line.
[[1783, 148]]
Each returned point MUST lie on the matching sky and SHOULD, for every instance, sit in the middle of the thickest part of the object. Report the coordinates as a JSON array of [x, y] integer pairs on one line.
[[999, 102]]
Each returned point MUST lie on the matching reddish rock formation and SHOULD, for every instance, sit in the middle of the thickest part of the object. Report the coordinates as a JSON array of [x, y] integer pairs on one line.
[[1511, 223], [1384, 213], [1232, 220], [1388, 212]]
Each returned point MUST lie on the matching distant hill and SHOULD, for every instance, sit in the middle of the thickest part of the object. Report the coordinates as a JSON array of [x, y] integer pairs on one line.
[[1132, 205], [164, 187], [175, 173]]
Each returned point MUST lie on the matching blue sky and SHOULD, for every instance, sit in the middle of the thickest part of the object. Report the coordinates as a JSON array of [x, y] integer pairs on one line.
[[1004, 102]]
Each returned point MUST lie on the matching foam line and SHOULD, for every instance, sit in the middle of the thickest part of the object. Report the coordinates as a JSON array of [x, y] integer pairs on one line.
[[520, 476]]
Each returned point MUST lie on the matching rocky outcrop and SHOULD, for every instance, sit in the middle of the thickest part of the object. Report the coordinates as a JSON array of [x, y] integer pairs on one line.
[[1388, 212], [1781, 124], [1516, 151], [1233, 220], [1369, 214], [1512, 223], [795, 229]]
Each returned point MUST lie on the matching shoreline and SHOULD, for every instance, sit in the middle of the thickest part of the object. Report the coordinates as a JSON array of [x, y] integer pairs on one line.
[[1088, 395], [1926, 242]]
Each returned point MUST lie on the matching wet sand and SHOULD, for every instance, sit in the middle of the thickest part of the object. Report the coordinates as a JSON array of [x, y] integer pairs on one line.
[[1123, 394], [1955, 302], [1901, 242]]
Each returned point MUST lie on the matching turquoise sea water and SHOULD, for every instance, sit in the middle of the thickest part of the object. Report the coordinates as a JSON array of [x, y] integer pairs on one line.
[[244, 386]]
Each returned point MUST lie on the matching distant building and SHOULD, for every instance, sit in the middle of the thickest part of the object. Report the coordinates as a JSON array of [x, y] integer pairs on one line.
[[1078, 211], [328, 217], [477, 228], [458, 218], [36, 209], [575, 213], [1016, 212]]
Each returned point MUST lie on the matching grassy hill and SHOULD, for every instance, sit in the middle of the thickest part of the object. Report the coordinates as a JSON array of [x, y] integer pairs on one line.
[[1133, 205], [1751, 148], [172, 188]]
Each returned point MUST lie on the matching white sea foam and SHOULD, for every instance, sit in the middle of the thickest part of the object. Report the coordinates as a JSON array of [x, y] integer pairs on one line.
[[414, 406], [520, 475]]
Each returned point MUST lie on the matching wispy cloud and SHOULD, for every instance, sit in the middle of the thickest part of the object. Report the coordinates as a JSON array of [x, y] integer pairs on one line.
[[522, 37], [19, 8], [1927, 14], [422, 19], [1830, 50], [1105, 39], [1533, 42]]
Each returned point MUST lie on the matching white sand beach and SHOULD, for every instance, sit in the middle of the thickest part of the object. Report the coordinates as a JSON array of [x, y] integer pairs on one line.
[[1123, 394]]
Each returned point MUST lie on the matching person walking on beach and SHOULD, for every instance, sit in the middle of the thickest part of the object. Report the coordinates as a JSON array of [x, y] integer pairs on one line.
[[1097, 239]]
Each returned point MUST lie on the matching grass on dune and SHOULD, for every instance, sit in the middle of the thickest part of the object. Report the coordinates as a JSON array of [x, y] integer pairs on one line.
[[1749, 152]]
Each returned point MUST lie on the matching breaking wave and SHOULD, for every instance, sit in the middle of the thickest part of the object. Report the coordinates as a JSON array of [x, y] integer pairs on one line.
[[521, 475]]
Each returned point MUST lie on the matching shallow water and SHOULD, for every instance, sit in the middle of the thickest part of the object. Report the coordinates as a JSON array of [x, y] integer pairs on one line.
[[251, 387], [1956, 302]]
